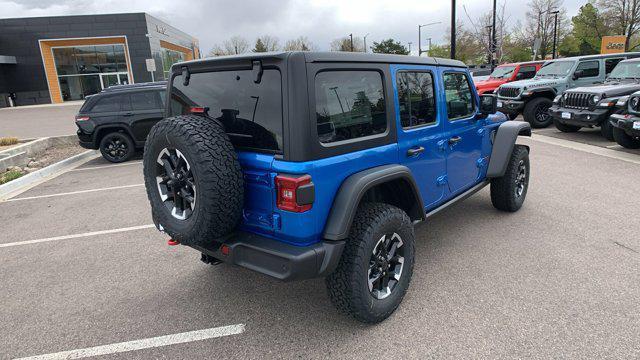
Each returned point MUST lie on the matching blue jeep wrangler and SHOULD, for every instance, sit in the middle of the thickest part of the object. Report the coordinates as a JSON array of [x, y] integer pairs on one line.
[[303, 164]]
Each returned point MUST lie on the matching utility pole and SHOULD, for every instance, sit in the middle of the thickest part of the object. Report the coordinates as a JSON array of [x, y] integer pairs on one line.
[[365, 42], [410, 46], [453, 29], [489, 56], [555, 33], [493, 39], [351, 37]]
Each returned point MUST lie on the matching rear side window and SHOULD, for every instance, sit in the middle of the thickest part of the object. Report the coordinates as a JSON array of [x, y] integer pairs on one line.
[[460, 99], [610, 64], [251, 112], [108, 104], [527, 71], [349, 105], [416, 99], [589, 68], [146, 100]]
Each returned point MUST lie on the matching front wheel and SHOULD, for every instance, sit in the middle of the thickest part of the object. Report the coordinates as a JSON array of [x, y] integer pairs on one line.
[[625, 140], [536, 112], [117, 147], [509, 191], [375, 269], [564, 127], [606, 130]]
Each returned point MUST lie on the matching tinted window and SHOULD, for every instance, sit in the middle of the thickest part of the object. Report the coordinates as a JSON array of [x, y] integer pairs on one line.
[[349, 105], [527, 72], [416, 99], [250, 112], [610, 64], [589, 68], [460, 100], [147, 100], [107, 104]]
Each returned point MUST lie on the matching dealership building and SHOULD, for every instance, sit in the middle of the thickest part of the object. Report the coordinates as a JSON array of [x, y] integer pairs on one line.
[[64, 58]]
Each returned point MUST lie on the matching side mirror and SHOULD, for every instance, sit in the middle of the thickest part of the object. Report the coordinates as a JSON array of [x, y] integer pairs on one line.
[[488, 104], [578, 74]]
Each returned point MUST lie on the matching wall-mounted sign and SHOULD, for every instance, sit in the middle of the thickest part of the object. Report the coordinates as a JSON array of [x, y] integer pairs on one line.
[[151, 65], [613, 44]]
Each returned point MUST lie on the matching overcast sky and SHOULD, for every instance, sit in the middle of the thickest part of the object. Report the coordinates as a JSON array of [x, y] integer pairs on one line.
[[212, 21]]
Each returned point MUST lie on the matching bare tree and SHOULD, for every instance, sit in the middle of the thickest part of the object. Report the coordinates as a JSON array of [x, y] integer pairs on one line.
[[623, 15], [233, 46], [302, 43], [481, 30], [344, 44], [271, 43], [540, 24]]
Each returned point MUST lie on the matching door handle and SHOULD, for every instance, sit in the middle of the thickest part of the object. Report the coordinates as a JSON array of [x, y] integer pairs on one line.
[[415, 151], [454, 140]]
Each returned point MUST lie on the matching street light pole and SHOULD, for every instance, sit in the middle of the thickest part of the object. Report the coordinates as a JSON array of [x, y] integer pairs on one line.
[[555, 33], [493, 41], [453, 29], [420, 36], [490, 55], [351, 37], [365, 42]]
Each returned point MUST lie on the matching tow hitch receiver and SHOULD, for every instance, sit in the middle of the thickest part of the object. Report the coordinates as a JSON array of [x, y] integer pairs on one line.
[[208, 259]]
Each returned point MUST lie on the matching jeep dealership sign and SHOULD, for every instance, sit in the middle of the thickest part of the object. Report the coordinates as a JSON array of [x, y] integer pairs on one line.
[[613, 44]]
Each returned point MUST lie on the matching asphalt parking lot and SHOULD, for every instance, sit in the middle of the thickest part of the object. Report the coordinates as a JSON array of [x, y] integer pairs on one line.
[[82, 267]]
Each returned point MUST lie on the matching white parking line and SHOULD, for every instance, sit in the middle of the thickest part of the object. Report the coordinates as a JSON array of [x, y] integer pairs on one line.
[[148, 343], [75, 236], [74, 192], [592, 149], [106, 166]]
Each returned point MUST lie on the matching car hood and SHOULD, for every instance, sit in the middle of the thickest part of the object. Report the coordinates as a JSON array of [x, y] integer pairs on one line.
[[489, 83], [610, 88], [535, 83]]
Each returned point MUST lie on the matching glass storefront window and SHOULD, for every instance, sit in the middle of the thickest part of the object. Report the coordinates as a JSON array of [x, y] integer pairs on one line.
[[170, 57]]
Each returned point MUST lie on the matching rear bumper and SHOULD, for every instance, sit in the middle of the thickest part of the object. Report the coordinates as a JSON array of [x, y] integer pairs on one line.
[[582, 118], [510, 106], [277, 259], [625, 123]]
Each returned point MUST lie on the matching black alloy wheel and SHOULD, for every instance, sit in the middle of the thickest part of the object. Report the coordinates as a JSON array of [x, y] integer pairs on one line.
[[117, 147], [542, 113], [385, 265], [176, 183], [521, 179]]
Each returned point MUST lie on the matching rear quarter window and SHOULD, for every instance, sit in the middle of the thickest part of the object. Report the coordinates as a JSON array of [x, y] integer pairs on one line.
[[107, 104], [251, 112]]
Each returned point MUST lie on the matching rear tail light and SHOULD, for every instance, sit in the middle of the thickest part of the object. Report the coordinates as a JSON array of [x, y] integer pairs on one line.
[[295, 193], [198, 110], [82, 118]]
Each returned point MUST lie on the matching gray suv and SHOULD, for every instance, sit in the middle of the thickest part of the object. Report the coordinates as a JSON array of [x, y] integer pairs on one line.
[[533, 97]]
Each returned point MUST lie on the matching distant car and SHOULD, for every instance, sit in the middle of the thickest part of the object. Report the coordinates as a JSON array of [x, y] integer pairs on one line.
[[507, 73], [118, 119], [626, 127]]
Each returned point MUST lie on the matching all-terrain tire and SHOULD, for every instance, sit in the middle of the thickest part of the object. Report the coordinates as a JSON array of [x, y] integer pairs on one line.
[[506, 193], [513, 116], [348, 285], [564, 127], [606, 130], [533, 107], [117, 147], [217, 178], [624, 140]]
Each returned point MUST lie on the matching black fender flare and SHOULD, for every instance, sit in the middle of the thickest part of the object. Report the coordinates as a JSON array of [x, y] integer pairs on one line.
[[542, 90], [111, 128], [352, 190], [503, 143]]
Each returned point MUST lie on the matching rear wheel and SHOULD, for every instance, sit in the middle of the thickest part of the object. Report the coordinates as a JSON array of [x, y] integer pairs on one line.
[[564, 127], [509, 191], [513, 116], [536, 112], [375, 269], [117, 147], [625, 140]]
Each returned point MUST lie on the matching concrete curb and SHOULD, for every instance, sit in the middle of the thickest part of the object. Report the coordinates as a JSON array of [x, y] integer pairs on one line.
[[17, 155], [26, 182]]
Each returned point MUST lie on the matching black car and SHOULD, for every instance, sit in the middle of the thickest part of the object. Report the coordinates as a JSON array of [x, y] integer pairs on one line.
[[626, 127], [118, 119], [591, 106]]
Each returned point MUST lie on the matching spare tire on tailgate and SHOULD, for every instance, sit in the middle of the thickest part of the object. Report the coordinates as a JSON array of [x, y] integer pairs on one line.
[[193, 179]]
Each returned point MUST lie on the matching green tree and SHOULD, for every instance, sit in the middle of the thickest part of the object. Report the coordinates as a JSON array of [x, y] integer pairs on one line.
[[389, 46], [588, 28], [259, 47]]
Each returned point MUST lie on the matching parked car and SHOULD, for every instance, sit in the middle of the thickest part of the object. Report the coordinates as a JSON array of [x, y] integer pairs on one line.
[[626, 126], [532, 98], [591, 106], [118, 119], [304, 164], [508, 73]]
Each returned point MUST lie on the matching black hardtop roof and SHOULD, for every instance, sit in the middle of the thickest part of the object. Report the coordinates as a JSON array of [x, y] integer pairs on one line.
[[145, 85], [333, 56]]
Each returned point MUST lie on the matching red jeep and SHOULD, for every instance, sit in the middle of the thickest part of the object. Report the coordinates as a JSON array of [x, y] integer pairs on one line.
[[507, 73]]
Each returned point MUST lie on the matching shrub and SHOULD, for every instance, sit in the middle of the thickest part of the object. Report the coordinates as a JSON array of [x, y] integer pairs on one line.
[[4, 141], [9, 175]]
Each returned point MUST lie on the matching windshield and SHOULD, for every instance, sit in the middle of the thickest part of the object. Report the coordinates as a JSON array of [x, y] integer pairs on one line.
[[251, 113], [502, 72], [626, 70], [557, 68]]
